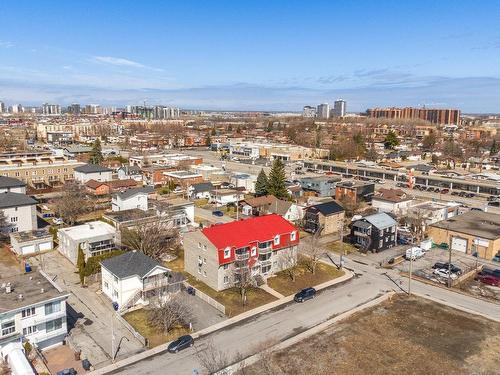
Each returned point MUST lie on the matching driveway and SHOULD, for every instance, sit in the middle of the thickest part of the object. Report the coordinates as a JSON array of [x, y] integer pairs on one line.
[[88, 312], [204, 314], [207, 216]]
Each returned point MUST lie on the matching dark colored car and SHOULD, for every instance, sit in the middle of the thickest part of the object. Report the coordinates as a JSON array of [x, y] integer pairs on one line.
[[490, 272], [218, 213], [439, 265], [445, 191], [470, 195], [453, 268], [487, 279], [462, 194], [305, 294], [494, 203], [182, 342], [455, 193]]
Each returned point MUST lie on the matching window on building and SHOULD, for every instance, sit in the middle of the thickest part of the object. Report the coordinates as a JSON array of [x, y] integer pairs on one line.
[[293, 236], [115, 279], [8, 327], [204, 260], [277, 239], [380, 243], [226, 266], [29, 330], [199, 270], [52, 307], [204, 247], [106, 285], [205, 273], [53, 325], [226, 279], [227, 253], [115, 293], [199, 245], [253, 251], [28, 312], [13, 219]]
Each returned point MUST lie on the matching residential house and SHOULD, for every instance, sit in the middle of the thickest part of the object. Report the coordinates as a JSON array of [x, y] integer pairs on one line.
[[354, 191], [222, 255], [134, 278], [130, 172], [31, 242], [475, 233], [269, 204], [245, 181], [107, 187], [224, 197], [154, 175], [33, 309], [132, 198], [183, 179], [324, 218], [200, 190], [374, 232], [19, 210], [177, 211], [8, 184], [322, 186], [294, 190], [94, 238], [95, 172], [395, 201]]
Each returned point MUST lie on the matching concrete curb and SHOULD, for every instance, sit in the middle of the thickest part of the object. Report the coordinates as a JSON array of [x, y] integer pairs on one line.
[[301, 336], [450, 304], [224, 324]]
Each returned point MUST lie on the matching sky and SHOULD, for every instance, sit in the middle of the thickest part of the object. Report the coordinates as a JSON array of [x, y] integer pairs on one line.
[[252, 55]]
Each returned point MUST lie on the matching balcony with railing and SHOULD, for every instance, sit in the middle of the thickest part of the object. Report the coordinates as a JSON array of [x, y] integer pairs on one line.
[[242, 254], [154, 282]]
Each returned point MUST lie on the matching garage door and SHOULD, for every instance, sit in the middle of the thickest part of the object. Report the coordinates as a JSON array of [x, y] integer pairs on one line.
[[45, 246], [28, 249], [459, 244]]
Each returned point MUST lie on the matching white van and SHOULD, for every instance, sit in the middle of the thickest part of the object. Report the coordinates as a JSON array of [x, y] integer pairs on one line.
[[414, 253]]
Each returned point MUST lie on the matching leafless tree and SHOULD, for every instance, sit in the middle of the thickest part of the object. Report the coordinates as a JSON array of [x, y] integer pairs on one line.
[[213, 360], [155, 238], [314, 252], [289, 264], [171, 313], [73, 203], [244, 281], [4, 226]]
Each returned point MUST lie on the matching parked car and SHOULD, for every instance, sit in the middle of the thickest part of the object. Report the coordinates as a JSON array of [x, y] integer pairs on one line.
[[494, 203], [488, 279], [401, 184], [496, 258], [455, 192], [181, 343], [218, 213], [444, 266], [305, 294], [439, 265], [491, 198], [414, 253], [57, 221], [462, 194], [470, 195], [445, 191], [490, 272], [444, 273]]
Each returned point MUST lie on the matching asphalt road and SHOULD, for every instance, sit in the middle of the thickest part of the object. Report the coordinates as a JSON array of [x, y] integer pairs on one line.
[[270, 327], [207, 215]]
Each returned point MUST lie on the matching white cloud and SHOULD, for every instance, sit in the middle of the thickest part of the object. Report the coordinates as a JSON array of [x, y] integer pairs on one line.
[[4, 44], [118, 61]]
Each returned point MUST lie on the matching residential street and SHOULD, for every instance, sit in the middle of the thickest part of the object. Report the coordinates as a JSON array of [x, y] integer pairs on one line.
[[291, 319], [207, 215]]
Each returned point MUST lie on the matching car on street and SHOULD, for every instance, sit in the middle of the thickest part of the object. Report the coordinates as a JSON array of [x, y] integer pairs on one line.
[[462, 194], [490, 272], [444, 273], [470, 195], [494, 203], [180, 343], [496, 258], [488, 279], [218, 213], [445, 191], [305, 294], [455, 193]]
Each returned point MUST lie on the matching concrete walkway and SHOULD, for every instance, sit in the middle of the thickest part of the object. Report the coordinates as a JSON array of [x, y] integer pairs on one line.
[[270, 290], [216, 327]]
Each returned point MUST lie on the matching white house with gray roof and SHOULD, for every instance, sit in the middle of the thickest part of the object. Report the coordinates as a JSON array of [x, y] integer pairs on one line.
[[132, 198], [134, 278], [19, 210], [95, 172], [12, 184]]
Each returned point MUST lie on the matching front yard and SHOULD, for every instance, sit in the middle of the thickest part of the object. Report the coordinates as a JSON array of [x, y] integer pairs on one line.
[[282, 283], [231, 298], [339, 248], [139, 320]]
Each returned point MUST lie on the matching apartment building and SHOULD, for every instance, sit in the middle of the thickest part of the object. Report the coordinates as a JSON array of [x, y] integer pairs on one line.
[[33, 309], [436, 116], [165, 160], [19, 210], [374, 232], [87, 172], [224, 254], [38, 169]]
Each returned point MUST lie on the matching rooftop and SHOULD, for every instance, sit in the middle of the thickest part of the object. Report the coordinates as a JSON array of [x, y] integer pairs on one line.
[[89, 230], [381, 220], [28, 289], [30, 235], [474, 223], [8, 182], [181, 174], [327, 208], [10, 199], [92, 168], [392, 195], [129, 215], [134, 191], [130, 264]]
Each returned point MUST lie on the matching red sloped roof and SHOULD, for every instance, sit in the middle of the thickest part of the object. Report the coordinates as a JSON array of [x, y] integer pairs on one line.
[[241, 233]]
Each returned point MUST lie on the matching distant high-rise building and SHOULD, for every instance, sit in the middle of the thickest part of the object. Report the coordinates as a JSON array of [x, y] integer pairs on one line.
[[74, 109], [436, 116], [309, 111], [17, 108], [323, 110], [51, 109], [339, 108], [2, 107]]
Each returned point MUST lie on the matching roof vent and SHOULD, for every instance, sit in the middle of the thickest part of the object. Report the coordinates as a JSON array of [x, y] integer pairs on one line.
[[42, 290], [8, 288], [20, 297]]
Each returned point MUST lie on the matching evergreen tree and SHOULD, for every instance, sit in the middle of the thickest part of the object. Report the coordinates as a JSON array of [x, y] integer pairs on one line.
[[96, 153], [493, 149], [261, 185], [391, 140], [276, 181], [80, 263]]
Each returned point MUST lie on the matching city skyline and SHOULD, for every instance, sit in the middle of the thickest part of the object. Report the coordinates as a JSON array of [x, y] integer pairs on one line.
[[226, 56]]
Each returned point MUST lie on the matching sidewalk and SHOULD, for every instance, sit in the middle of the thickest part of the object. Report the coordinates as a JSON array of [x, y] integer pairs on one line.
[[221, 325], [270, 290]]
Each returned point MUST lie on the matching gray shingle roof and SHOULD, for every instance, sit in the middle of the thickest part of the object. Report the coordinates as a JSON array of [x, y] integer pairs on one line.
[[202, 187], [10, 199], [133, 191], [92, 168], [381, 220], [130, 264], [7, 182]]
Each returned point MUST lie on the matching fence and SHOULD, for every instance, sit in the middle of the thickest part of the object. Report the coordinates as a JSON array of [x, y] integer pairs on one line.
[[208, 299], [132, 330]]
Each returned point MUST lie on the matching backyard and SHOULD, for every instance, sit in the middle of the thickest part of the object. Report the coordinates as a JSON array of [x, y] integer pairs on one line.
[[401, 335], [283, 284], [341, 248], [139, 320]]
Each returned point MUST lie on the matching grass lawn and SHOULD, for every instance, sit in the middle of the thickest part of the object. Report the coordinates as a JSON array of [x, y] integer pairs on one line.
[[231, 298], [200, 203], [336, 247], [139, 320], [282, 283], [177, 265]]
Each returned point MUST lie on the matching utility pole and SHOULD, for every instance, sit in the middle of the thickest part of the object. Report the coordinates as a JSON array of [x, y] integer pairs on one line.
[[112, 338], [449, 257], [410, 273], [341, 244]]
